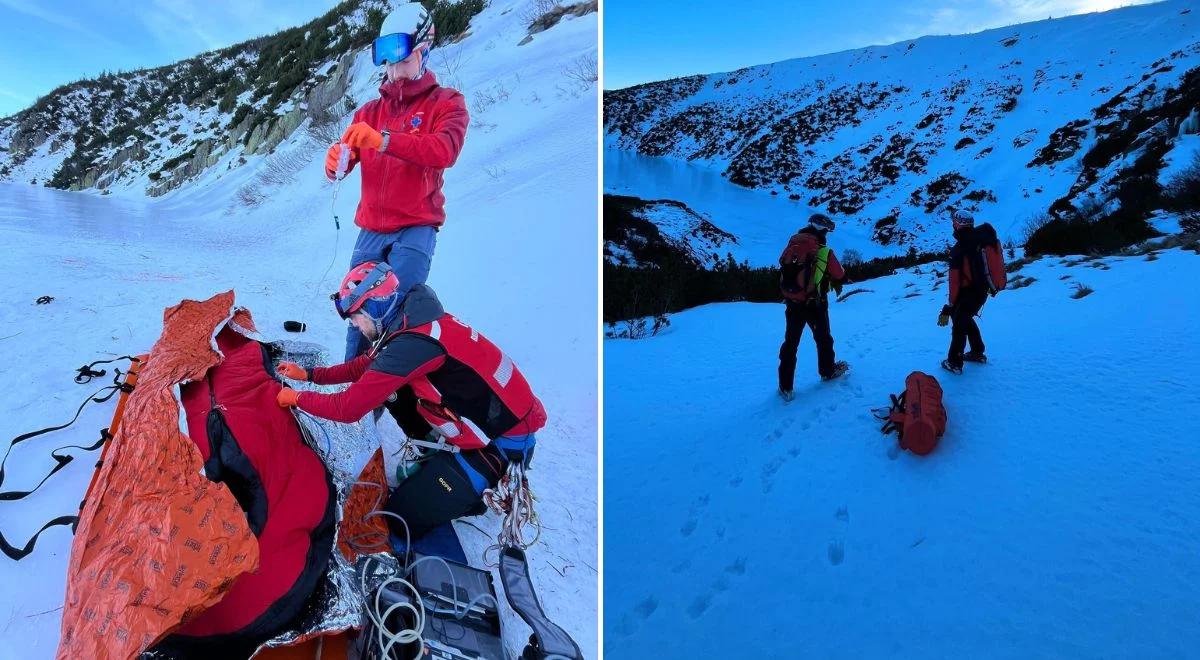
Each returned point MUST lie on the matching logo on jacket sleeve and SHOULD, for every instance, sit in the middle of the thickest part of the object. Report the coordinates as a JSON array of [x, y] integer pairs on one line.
[[415, 122]]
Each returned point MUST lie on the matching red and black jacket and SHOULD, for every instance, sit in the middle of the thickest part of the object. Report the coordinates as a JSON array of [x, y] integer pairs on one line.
[[465, 386]]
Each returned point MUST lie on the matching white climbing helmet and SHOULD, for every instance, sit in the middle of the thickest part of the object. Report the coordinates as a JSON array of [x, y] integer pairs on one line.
[[404, 29]]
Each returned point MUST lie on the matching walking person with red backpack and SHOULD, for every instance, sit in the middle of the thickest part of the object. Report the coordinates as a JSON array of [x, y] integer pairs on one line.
[[448, 387], [809, 269], [976, 271], [404, 141]]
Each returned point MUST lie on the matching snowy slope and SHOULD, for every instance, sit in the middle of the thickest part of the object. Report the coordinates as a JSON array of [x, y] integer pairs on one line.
[[1057, 518], [1008, 122], [516, 258], [152, 130]]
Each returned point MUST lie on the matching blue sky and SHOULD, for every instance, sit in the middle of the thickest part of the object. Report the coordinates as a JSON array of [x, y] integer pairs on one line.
[[45, 43], [646, 41]]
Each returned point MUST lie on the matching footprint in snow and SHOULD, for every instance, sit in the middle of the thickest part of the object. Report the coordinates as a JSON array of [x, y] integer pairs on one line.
[[693, 520], [699, 606], [738, 567], [837, 553], [768, 473], [645, 608], [837, 548], [682, 566], [736, 481]]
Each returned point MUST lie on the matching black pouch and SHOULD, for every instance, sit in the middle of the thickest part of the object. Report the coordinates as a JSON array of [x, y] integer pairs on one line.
[[434, 495]]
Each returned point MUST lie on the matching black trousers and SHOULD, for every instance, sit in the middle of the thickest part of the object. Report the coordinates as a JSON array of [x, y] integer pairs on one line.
[[965, 329], [440, 490], [816, 316]]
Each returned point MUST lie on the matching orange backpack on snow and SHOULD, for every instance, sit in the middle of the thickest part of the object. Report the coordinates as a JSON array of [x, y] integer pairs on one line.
[[917, 415]]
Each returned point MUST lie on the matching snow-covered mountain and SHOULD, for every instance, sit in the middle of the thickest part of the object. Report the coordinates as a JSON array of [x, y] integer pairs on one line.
[[516, 256], [151, 130], [1008, 123]]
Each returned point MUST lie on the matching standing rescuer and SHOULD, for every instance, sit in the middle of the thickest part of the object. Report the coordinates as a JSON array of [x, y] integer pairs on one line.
[[440, 379], [404, 140], [809, 269], [976, 269]]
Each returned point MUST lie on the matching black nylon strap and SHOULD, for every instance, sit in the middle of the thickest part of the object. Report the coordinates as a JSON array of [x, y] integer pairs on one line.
[[61, 459], [86, 373], [16, 554]]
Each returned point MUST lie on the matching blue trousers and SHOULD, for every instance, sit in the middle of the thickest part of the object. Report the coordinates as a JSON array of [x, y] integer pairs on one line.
[[409, 252]]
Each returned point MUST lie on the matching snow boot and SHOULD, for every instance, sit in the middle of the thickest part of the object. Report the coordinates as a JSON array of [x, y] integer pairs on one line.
[[839, 369], [786, 395], [951, 368], [973, 356]]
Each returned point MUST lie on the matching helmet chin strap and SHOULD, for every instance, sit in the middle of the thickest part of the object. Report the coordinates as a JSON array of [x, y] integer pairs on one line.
[[424, 61]]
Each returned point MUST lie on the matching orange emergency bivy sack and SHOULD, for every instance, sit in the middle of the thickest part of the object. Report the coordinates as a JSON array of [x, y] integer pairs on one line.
[[917, 414], [166, 557]]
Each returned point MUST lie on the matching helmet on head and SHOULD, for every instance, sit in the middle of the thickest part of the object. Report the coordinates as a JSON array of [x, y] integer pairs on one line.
[[372, 289], [821, 222], [962, 219], [407, 28]]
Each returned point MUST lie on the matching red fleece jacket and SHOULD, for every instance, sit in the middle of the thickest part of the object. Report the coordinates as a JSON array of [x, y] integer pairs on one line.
[[402, 187]]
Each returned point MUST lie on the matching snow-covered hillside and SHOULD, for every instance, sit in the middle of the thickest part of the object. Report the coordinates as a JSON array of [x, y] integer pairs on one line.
[[516, 259], [1058, 518], [1008, 123]]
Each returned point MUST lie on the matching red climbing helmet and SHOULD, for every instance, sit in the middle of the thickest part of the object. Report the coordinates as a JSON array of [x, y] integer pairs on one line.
[[367, 281]]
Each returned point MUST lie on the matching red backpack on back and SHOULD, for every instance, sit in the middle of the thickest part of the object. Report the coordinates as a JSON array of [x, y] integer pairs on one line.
[[917, 415], [987, 264]]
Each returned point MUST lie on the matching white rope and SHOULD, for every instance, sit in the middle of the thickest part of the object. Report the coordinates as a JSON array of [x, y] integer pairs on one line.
[[384, 638]]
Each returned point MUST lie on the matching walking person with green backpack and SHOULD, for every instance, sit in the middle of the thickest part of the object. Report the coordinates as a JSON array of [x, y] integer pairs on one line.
[[809, 269]]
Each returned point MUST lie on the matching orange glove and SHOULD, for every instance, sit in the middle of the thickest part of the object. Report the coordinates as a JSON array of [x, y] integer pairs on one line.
[[287, 398], [334, 164], [291, 370], [362, 136]]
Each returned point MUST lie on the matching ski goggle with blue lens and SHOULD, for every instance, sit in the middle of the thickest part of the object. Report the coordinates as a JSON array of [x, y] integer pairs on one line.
[[393, 48]]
